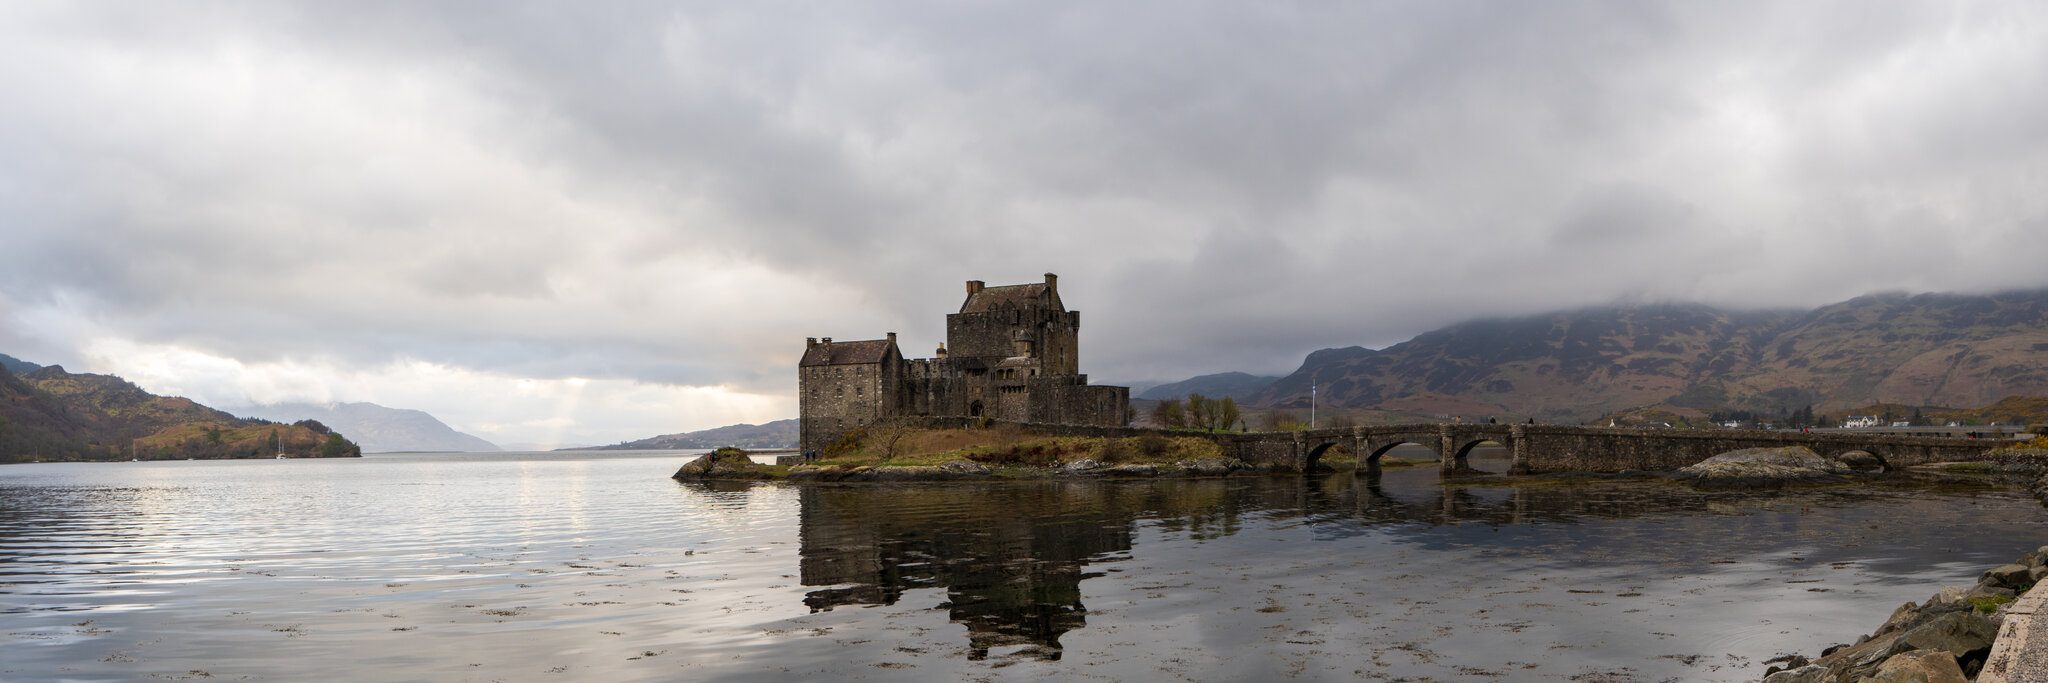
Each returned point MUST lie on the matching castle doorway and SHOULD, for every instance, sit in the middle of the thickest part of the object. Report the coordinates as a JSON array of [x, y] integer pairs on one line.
[[974, 409]]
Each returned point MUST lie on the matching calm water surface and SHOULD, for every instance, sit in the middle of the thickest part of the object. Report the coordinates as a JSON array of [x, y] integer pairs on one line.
[[595, 566]]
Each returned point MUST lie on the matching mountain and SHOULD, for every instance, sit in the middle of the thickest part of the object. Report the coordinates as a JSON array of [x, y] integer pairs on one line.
[[1929, 349], [777, 434], [1235, 385], [51, 414], [17, 365], [379, 429]]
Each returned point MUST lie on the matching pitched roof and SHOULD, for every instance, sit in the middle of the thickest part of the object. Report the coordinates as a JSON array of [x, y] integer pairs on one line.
[[847, 353], [990, 298]]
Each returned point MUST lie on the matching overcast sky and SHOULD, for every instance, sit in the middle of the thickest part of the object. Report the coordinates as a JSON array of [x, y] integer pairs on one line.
[[588, 222]]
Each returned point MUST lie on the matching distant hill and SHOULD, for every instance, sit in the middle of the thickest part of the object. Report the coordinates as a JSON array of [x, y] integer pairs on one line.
[[17, 365], [379, 429], [51, 414], [1234, 385], [1929, 349], [777, 434]]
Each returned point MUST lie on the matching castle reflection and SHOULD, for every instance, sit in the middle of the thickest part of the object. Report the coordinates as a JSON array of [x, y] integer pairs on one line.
[[1011, 556]]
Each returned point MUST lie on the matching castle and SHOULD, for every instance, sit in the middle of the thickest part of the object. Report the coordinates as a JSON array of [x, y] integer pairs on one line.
[[1012, 353]]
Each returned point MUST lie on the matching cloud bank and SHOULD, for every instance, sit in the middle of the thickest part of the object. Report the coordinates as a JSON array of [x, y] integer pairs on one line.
[[427, 205]]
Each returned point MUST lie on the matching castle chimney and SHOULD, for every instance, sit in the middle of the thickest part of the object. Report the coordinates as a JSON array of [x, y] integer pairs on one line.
[[974, 287], [892, 338], [941, 353], [827, 343], [810, 342], [1052, 282]]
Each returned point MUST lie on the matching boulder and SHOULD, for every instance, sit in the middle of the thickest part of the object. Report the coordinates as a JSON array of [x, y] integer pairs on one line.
[[1083, 466], [906, 473], [1987, 590], [1810, 673], [1949, 595], [966, 468], [1763, 468], [2012, 576], [724, 463], [1859, 461], [1209, 467], [1957, 633], [1132, 471], [1925, 666]]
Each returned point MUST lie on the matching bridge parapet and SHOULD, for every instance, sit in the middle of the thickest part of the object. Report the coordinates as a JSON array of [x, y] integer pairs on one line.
[[1534, 448]]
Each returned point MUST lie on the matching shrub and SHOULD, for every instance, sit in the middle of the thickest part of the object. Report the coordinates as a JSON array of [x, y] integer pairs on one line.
[[1116, 450], [846, 443], [1030, 455], [1154, 445]]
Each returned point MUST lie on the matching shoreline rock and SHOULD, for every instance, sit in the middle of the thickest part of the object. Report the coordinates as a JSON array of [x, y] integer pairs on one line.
[[724, 463], [1946, 639], [1764, 468]]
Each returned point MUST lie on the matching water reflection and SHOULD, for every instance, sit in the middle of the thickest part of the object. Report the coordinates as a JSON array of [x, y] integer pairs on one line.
[[453, 567], [1011, 558]]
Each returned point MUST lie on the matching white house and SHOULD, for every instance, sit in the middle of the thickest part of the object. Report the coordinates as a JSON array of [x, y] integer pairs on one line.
[[1860, 421]]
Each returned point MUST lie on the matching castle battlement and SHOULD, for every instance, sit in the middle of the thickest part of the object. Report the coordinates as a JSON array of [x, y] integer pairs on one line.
[[1012, 353]]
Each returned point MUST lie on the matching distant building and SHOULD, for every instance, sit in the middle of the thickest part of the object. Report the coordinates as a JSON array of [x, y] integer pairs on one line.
[[1902, 423], [1861, 421], [1012, 353], [1732, 424]]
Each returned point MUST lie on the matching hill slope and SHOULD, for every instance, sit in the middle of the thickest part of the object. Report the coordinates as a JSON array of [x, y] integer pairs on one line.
[[379, 429], [777, 434], [17, 365], [1235, 385], [51, 414], [1930, 349]]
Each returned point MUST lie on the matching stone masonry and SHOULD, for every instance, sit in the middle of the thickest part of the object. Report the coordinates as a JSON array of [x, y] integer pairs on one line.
[[1012, 353]]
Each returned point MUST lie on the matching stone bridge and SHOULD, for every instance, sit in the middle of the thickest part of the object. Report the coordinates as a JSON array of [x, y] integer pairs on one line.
[[1538, 448]]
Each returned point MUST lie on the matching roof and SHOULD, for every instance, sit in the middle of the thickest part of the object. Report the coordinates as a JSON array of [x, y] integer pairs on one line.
[[847, 353], [1017, 296]]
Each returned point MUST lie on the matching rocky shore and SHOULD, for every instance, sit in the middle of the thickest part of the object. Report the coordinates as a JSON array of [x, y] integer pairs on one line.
[[1946, 639], [734, 464]]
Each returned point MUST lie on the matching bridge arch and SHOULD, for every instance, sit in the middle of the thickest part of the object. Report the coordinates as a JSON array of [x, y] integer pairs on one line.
[[1462, 460], [1316, 451], [1377, 446]]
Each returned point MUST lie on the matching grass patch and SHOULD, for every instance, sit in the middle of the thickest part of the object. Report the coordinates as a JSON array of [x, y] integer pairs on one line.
[[1987, 604]]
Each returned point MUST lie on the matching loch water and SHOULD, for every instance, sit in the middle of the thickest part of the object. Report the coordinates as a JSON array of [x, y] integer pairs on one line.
[[597, 566]]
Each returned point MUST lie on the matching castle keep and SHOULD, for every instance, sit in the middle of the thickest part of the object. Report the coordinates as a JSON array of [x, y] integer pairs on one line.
[[1012, 353]]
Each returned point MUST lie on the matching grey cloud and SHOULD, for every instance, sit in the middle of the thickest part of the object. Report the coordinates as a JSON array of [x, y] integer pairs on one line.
[[1221, 185]]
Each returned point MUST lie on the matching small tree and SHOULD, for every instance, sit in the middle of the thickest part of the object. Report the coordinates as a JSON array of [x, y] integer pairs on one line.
[[1226, 414], [1170, 414], [1199, 411], [1280, 420]]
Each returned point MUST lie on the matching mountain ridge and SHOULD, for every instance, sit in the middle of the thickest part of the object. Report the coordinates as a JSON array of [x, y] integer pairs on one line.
[[1922, 349], [53, 414], [381, 429], [775, 434]]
